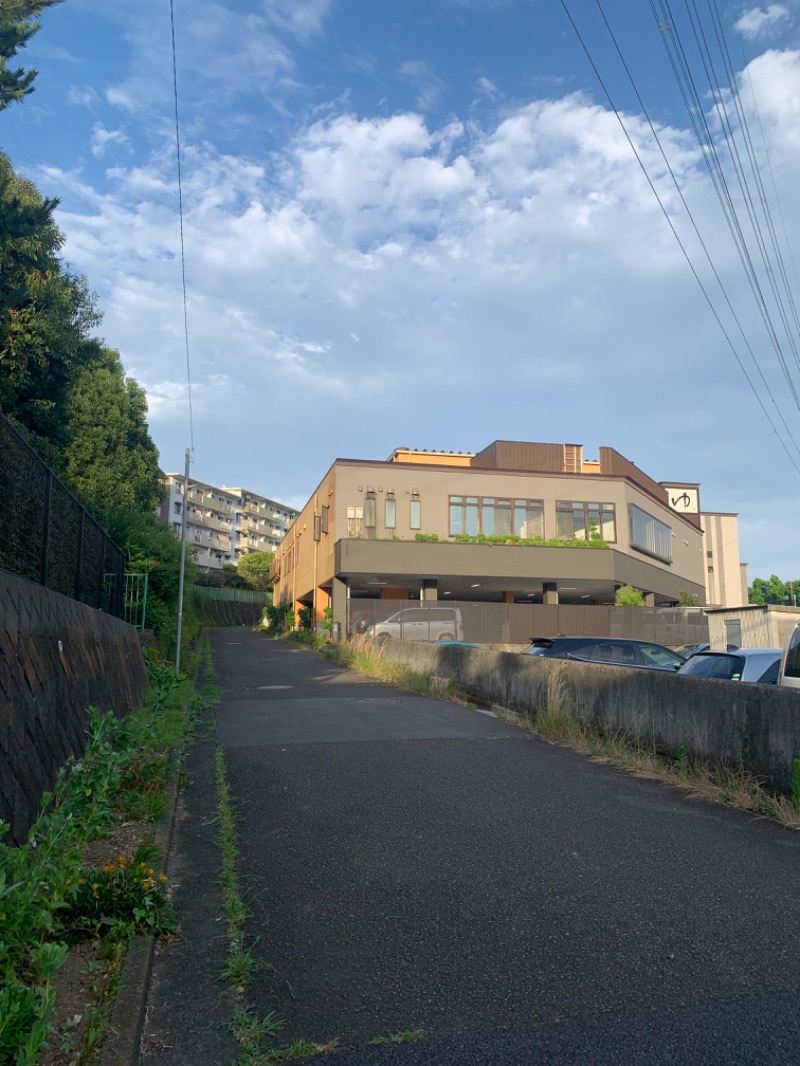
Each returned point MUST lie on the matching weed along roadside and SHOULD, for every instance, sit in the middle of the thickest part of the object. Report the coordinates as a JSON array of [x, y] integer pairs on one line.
[[89, 881]]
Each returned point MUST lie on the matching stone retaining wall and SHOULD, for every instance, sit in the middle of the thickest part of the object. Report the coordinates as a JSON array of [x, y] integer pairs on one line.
[[755, 727], [58, 657]]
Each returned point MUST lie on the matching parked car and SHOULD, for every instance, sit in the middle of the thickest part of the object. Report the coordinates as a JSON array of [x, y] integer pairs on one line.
[[419, 623], [789, 671], [692, 649], [744, 664], [612, 651]]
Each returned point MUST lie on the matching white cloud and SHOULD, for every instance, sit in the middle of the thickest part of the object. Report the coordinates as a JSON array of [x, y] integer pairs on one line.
[[773, 79], [82, 97], [387, 279], [757, 22], [302, 17], [487, 87], [428, 85], [102, 139]]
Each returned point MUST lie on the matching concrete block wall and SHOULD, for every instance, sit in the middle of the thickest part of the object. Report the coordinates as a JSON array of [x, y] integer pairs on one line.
[[755, 727], [58, 657]]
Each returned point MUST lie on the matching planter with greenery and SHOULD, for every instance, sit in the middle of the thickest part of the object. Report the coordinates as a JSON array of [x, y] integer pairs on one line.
[[86, 881]]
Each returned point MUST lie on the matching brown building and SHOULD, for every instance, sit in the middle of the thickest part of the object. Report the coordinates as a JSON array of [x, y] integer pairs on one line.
[[447, 526]]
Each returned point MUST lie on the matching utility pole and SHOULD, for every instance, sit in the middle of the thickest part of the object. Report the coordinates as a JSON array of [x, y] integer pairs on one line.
[[183, 560]]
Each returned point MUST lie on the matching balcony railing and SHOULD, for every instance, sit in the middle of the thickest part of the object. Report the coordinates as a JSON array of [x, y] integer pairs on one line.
[[209, 522], [206, 500]]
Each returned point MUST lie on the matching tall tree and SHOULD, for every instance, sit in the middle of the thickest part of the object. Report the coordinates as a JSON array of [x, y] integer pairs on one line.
[[256, 569], [774, 591], [46, 314], [18, 23], [111, 461]]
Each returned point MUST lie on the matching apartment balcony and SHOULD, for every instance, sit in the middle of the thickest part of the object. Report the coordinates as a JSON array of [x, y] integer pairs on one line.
[[204, 499], [219, 543], [210, 522], [257, 510]]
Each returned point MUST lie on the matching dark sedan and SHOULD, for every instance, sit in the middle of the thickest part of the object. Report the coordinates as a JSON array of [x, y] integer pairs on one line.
[[611, 651], [744, 664]]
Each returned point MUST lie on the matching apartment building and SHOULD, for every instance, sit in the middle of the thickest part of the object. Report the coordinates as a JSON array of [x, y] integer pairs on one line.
[[446, 526], [224, 523]]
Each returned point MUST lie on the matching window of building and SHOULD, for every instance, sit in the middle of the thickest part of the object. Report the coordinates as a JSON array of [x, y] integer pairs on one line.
[[415, 514], [649, 535], [578, 520], [390, 515], [324, 519], [355, 521], [495, 516], [369, 511]]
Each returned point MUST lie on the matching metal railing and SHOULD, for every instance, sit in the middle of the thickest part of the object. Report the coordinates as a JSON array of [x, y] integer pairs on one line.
[[50, 538], [136, 586]]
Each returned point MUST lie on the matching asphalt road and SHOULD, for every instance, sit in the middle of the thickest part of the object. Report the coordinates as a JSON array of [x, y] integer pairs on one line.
[[413, 864]]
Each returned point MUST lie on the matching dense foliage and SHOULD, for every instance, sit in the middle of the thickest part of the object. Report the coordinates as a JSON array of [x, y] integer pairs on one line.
[[774, 591], [151, 548], [256, 569], [17, 25], [63, 388], [628, 596]]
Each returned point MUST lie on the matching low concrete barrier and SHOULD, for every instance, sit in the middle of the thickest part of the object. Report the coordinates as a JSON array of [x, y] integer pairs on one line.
[[58, 657], [754, 727]]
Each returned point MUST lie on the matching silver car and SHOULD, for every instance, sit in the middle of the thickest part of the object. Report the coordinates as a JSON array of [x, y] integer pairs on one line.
[[744, 664]]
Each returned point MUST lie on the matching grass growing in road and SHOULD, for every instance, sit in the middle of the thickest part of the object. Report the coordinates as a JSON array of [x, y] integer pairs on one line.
[[408, 1036], [239, 963], [366, 657]]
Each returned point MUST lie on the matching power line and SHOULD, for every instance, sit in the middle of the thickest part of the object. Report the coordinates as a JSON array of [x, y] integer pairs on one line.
[[674, 232], [699, 236], [701, 41], [180, 212]]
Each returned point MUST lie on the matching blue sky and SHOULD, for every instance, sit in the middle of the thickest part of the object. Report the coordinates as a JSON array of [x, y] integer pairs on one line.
[[421, 224]]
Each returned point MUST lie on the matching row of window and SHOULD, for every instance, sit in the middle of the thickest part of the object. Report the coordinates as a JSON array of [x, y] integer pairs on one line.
[[493, 516], [366, 517]]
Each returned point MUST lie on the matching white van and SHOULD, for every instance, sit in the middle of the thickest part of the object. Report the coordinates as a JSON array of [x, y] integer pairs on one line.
[[420, 623], [789, 674]]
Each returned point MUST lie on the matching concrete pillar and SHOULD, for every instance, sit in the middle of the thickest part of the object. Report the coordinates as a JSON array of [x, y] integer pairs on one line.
[[430, 589], [339, 603], [508, 597], [649, 599], [550, 592]]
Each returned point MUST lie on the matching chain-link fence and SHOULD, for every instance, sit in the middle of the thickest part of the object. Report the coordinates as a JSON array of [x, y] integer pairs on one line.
[[48, 537]]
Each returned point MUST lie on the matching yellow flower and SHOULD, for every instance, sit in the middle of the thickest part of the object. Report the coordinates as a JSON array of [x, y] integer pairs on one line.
[[162, 878]]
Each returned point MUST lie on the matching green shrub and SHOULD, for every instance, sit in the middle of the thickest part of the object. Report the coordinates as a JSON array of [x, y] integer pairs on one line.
[[279, 618], [628, 596]]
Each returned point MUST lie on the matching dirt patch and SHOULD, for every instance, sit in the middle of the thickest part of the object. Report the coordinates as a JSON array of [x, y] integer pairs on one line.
[[81, 985]]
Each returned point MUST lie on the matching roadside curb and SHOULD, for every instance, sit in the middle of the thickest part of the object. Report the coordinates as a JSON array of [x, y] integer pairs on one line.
[[126, 1023]]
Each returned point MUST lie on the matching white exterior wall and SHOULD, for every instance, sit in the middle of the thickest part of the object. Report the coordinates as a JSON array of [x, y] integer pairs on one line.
[[217, 524], [724, 576], [762, 627]]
